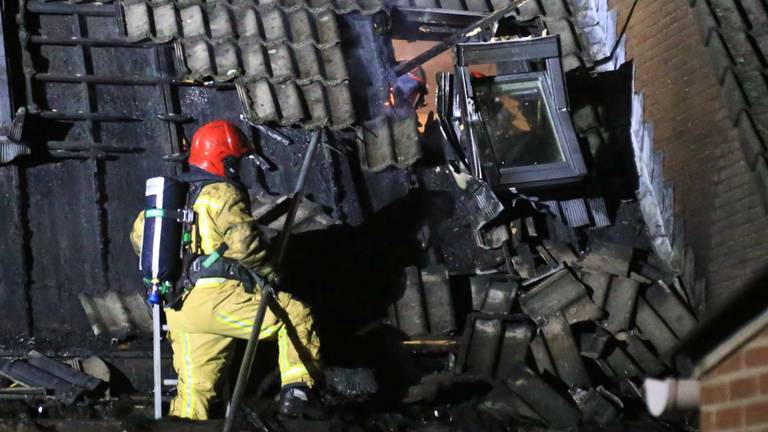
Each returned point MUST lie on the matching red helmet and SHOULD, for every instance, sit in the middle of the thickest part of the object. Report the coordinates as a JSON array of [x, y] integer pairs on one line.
[[213, 143]]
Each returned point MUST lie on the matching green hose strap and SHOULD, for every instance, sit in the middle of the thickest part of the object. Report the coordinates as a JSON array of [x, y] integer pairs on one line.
[[164, 287], [212, 258], [154, 213]]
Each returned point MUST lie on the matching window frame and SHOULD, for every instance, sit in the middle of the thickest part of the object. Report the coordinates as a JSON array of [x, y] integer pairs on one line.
[[483, 161]]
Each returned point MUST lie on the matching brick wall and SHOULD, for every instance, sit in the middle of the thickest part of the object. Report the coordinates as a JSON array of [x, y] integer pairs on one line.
[[734, 396], [714, 190]]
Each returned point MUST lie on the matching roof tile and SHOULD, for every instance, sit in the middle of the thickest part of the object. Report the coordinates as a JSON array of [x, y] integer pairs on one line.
[[311, 104], [391, 139], [288, 53]]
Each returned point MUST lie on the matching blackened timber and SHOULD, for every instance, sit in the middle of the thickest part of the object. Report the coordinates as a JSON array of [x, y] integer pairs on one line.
[[55, 8], [414, 23], [76, 146], [169, 107], [22, 372], [49, 40], [98, 168], [455, 38], [104, 79], [87, 116], [62, 371], [6, 106], [13, 266], [507, 405]]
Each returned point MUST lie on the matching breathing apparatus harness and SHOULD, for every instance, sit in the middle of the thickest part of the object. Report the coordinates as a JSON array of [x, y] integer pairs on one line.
[[171, 267]]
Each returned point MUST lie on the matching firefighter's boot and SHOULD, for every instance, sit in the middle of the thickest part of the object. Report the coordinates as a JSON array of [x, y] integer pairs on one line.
[[299, 401]]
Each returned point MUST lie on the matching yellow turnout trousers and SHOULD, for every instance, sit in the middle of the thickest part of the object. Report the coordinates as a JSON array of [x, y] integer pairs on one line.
[[214, 313], [218, 310]]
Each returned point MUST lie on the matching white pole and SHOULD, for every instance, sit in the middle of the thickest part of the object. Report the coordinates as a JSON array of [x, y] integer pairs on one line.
[[664, 396], [156, 361]]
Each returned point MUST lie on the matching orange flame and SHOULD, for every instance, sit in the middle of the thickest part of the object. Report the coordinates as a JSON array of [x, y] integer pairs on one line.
[[390, 102]]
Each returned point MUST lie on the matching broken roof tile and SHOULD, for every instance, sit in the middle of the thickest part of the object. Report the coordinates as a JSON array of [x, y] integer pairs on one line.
[[118, 315], [390, 140]]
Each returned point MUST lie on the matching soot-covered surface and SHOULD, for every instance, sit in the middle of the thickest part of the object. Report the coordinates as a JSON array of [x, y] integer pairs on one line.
[[103, 113]]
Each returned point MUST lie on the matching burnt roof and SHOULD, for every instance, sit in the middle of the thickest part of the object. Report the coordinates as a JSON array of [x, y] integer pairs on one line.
[[288, 54]]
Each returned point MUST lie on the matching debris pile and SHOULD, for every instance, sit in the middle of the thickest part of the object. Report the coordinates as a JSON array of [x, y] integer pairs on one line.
[[544, 306], [40, 378], [563, 347]]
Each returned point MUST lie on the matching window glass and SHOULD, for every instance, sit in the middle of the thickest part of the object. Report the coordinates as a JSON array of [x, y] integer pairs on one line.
[[518, 120]]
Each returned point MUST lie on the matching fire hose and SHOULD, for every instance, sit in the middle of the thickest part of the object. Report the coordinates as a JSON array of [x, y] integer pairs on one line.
[[267, 290]]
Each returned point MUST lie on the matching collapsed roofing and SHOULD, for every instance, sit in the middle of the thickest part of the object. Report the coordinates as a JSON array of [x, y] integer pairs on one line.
[[535, 297]]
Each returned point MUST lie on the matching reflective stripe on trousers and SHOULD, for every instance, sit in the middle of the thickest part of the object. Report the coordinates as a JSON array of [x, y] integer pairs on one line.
[[203, 330]]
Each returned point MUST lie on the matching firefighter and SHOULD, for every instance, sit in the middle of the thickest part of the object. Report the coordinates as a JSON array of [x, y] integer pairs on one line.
[[218, 308], [411, 89]]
